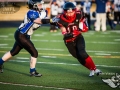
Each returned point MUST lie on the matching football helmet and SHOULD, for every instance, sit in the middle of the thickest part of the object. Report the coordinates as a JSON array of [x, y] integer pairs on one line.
[[33, 4], [69, 10]]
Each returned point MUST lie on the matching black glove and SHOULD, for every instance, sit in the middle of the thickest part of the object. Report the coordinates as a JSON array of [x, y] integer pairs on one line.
[[68, 36], [54, 23]]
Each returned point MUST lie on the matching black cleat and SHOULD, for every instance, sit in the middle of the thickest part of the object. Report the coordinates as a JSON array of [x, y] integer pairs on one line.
[[35, 73], [1, 68]]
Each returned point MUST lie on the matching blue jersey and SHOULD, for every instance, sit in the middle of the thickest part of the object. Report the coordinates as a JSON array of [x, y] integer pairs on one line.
[[101, 6], [28, 25]]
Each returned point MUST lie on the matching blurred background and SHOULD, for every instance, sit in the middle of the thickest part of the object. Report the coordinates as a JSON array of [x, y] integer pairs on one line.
[[14, 10]]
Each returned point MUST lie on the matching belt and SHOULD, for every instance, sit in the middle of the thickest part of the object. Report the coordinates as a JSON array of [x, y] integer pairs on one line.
[[71, 39]]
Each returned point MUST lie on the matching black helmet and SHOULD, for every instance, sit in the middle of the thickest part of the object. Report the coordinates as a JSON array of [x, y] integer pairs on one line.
[[69, 5], [33, 3]]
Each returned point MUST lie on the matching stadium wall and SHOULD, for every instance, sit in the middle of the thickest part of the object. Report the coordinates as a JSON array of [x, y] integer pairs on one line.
[[17, 12]]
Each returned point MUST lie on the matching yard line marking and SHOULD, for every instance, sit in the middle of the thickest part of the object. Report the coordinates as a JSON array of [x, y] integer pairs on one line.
[[103, 42], [3, 44], [47, 40], [30, 85], [102, 54], [102, 51], [64, 50], [40, 40], [22, 58], [49, 54], [41, 56], [3, 36], [38, 35], [116, 39], [22, 61], [50, 49]]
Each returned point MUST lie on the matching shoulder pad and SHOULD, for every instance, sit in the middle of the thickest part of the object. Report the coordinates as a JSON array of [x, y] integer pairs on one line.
[[32, 15], [43, 14]]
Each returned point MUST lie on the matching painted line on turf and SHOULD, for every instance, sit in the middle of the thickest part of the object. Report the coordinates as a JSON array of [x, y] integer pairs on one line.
[[3, 44], [3, 36], [48, 54], [49, 49], [30, 85], [23, 61]]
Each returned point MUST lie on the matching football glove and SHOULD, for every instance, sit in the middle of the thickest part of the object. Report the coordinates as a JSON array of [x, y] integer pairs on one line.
[[54, 21], [68, 36]]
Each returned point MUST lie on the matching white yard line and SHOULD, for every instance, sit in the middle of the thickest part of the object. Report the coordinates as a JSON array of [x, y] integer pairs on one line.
[[3, 44], [50, 49], [22, 61], [37, 86], [3, 36]]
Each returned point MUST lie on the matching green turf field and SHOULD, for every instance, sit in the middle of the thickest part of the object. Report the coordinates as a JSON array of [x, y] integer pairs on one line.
[[59, 69]]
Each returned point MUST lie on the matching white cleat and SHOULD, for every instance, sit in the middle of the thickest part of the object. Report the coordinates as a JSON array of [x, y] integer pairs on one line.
[[92, 72], [97, 72]]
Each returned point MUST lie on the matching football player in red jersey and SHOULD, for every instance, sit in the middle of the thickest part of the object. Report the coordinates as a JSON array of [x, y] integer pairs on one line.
[[72, 23]]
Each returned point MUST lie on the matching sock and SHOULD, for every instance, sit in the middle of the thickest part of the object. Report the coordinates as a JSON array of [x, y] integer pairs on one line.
[[1, 61], [32, 69], [90, 64]]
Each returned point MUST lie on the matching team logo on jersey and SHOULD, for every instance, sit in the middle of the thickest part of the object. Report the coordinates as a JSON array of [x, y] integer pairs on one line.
[[113, 82], [8, 8]]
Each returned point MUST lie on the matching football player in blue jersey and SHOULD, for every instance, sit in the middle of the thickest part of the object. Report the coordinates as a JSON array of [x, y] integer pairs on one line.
[[32, 20]]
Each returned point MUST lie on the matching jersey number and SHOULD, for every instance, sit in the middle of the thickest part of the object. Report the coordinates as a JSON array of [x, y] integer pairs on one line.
[[71, 28]]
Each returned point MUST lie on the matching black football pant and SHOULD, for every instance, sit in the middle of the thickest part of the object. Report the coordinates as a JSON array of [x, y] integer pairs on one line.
[[77, 49], [23, 41]]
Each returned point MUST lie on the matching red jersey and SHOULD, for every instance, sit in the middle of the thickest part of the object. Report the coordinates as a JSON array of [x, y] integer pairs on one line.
[[72, 26]]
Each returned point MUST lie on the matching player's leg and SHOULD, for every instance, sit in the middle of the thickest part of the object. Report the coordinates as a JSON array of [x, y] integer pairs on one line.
[[29, 46], [71, 48], [24, 41], [83, 57], [15, 50]]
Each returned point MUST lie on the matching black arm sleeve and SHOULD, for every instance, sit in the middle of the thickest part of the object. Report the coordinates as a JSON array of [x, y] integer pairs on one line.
[[45, 21]]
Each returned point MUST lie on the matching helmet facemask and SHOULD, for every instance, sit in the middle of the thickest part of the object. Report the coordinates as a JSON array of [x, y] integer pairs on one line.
[[69, 10], [36, 4], [70, 13]]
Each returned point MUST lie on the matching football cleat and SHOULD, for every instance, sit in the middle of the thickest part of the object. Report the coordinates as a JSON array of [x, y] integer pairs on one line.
[[35, 73], [1, 68], [98, 72], [93, 72]]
